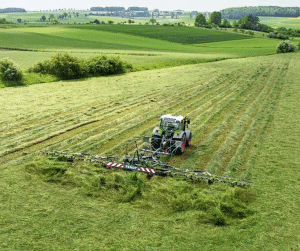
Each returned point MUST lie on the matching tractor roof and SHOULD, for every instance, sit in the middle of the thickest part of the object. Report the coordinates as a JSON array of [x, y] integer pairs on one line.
[[169, 116]]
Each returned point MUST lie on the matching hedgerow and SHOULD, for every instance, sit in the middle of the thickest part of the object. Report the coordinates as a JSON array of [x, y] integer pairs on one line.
[[65, 66]]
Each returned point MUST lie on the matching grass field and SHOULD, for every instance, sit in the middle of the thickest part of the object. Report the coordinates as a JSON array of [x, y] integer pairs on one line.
[[143, 51], [34, 17], [244, 115], [176, 34], [244, 120], [276, 22]]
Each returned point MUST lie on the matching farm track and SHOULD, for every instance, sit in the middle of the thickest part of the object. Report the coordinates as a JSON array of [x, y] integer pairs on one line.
[[229, 113]]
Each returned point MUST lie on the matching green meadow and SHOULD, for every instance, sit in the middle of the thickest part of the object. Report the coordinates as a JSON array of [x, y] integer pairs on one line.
[[243, 102], [148, 50], [276, 22]]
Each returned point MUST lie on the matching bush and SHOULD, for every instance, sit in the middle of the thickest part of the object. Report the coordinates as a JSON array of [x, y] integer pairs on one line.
[[272, 35], [10, 74], [105, 66], [283, 37], [68, 67], [250, 33], [285, 46], [63, 66]]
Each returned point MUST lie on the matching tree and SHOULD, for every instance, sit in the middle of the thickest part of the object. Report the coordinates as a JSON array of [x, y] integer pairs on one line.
[[172, 14], [155, 13], [235, 23], [51, 16], [216, 18], [96, 21], [226, 24], [110, 22], [153, 21], [200, 20], [43, 18], [65, 14], [19, 20], [253, 19]]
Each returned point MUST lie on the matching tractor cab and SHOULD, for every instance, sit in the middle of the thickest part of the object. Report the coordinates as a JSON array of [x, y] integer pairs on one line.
[[171, 123]]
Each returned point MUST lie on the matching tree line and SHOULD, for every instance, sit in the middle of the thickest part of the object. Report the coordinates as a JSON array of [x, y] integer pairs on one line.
[[271, 11], [10, 10], [249, 22], [117, 9]]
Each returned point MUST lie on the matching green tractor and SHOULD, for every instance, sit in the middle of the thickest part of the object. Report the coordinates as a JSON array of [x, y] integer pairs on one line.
[[171, 137]]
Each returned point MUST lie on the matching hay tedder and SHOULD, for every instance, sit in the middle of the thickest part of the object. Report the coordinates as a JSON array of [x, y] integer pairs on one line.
[[170, 138]]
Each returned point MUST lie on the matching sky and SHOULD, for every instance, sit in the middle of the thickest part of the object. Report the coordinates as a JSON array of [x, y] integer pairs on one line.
[[187, 5]]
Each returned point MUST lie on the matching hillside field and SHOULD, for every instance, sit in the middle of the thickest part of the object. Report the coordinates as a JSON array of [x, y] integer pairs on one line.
[[243, 102], [28, 46], [276, 22], [242, 112]]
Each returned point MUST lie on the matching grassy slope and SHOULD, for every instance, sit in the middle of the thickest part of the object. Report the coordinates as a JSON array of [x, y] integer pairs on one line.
[[88, 38], [37, 215], [276, 22], [142, 52], [277, 172], [177, 34]]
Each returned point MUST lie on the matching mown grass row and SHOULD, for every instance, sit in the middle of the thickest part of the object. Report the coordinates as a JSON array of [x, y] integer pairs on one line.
[[213, 125], [106, 113], [239, 125], [33, 130], [219, 109], [226, 115], [102, 138], [197, 96], [247, 151]]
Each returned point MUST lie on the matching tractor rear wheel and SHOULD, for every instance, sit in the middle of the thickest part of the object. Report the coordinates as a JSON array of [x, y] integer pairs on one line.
[[189, 140], [180, 149]]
